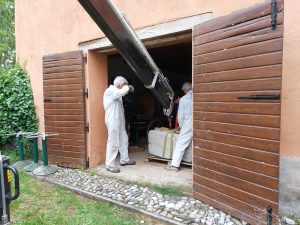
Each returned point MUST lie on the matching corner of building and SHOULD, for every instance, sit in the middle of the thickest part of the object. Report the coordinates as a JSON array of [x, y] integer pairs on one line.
[[289, 180]]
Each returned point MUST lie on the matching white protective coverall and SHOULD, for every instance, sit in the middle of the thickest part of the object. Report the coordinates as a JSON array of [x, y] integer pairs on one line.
[[186, 132], [115, 123]]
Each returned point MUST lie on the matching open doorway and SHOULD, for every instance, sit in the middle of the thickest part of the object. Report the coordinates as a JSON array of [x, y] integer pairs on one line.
[[143, 113], [141, 108]]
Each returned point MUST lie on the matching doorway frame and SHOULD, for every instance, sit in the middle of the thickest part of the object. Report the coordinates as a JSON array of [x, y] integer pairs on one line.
[[96, 52]]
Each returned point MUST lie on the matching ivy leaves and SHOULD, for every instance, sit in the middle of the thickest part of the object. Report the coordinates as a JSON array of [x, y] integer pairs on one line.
[[7, 34], [17, 111]]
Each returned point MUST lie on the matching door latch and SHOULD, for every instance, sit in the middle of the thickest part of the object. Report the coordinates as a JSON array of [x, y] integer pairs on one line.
[[47, 99], [86, 93]]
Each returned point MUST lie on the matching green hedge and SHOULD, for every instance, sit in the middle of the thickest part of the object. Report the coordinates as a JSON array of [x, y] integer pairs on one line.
[[17, 110]]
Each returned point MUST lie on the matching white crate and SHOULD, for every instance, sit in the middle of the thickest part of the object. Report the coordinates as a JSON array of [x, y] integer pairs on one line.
[[156, 140]]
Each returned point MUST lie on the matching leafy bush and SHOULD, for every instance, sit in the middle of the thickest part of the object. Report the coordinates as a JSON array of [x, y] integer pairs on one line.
[[17, 110]]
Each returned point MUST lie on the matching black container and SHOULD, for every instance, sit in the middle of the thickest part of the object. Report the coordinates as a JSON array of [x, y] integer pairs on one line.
[[9, 173]]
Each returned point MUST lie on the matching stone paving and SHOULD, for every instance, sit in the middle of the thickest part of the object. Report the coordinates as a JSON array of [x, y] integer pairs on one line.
[[173, 209]]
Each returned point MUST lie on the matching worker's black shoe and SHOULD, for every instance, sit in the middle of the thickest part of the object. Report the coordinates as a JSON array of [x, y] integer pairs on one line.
[[129, 163], [113, 169]]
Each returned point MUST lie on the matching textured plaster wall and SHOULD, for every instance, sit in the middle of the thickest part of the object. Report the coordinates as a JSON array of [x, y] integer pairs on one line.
[[290, 113], [97, 82]]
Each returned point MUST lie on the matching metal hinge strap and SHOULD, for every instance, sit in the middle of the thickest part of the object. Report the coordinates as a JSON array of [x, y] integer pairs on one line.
[[86, 93], [87, 163], [274, 14], [269, 215], [261, 97]]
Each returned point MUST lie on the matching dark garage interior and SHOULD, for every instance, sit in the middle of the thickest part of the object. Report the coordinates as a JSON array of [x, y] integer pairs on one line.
[[141, 109]]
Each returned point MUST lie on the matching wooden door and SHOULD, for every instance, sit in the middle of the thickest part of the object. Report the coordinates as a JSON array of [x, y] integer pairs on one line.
[[64, 105], [237, 85]]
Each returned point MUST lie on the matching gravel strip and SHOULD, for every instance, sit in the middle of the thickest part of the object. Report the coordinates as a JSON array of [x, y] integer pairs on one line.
[[173, 209]]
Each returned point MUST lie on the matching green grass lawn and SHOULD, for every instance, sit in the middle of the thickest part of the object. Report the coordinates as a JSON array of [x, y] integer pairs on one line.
[[43, 203]]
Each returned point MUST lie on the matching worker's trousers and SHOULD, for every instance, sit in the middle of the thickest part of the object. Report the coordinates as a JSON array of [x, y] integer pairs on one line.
[[117, 141], [184, 139]]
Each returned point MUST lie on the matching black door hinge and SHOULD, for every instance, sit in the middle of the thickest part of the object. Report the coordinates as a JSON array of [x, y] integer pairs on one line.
[[85, 59], [87, 127], [87, 163], [274, 14], [86, 93], [269, 215]]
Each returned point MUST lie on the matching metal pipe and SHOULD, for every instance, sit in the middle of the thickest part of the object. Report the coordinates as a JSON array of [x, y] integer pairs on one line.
[[4, 213], [124, 21], [45, 152], [35, 150], [20, 147], [118, 30], [133, 35]]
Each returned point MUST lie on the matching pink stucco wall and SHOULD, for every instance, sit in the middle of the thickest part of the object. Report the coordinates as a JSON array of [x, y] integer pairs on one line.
[[97, 83], [290, 106]]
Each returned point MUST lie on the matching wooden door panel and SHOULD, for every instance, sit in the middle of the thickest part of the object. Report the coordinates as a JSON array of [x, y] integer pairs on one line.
[[237, 172], [253, 131], [235, 118], [245, 108], [241, 74], [240, 29], [252, 37], [64, 106], [236, 140], [234, 96], [238, 151]]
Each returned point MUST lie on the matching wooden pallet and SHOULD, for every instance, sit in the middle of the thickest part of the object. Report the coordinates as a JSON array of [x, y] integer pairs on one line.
[[152, 158], [135, 149]]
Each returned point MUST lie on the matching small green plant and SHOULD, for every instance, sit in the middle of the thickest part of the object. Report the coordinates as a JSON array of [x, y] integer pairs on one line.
[[129, 182], [161, 189], [93, 173], [16, 103], [168, 190], [202, 207]]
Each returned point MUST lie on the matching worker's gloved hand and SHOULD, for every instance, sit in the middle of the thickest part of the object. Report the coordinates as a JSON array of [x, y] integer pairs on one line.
[[131, 88]]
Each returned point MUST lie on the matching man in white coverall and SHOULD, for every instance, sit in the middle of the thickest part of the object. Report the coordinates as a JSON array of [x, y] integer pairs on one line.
[[115, 123], [185, 123]]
